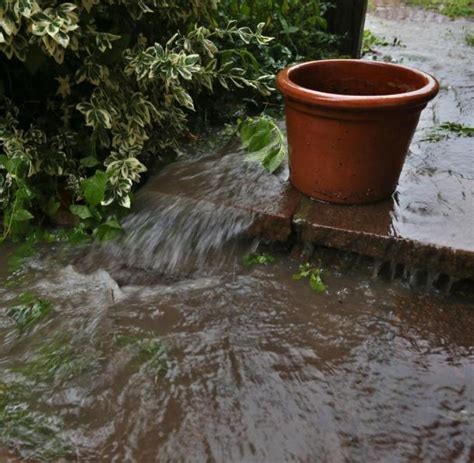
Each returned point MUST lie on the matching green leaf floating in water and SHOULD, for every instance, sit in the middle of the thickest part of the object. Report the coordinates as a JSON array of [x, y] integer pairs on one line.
[[257, 259], [314, 276], [264, 141]]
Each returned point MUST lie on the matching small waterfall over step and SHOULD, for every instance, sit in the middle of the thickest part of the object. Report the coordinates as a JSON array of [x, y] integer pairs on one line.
[[177, 233], [193, 215]]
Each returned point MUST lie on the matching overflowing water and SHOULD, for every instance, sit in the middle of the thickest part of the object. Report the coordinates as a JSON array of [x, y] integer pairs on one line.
[[162, 346], [183, 223]]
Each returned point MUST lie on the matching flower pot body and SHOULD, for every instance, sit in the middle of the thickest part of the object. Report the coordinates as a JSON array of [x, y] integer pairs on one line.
[[350, 124]]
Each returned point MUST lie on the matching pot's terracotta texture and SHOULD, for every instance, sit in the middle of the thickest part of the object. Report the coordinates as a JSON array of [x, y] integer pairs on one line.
[[350, 124]]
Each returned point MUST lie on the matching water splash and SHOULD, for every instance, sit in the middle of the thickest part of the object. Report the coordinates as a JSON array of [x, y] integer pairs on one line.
[[180, 234], [193, 216]]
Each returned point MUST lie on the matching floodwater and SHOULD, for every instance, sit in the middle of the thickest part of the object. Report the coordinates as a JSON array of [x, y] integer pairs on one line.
[[434, 201], [163, 346], [210, 360]]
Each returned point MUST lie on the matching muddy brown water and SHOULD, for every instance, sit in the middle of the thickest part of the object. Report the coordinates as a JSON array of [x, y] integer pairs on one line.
[[259, 367]]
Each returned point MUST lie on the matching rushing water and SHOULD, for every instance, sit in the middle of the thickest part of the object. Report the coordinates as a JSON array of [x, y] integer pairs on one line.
[[186, 224], [259, 368], [162, 346]]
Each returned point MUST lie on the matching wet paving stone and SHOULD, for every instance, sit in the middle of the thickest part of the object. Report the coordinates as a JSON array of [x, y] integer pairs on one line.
[[368, 230]]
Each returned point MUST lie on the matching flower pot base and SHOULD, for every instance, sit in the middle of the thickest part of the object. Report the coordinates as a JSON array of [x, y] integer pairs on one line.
[[345, 200]]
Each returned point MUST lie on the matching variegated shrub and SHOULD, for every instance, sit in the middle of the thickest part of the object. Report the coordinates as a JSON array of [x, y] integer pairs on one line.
[[91, 90]]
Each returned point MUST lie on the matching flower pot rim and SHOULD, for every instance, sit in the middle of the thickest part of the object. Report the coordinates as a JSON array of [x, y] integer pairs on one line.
[[413, 98]]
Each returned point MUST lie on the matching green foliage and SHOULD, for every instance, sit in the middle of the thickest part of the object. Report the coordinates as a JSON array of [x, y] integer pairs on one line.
[[149, 350], [299, 28], [21, 254], [371, 40], [57, 360], [444, 130], [451, 8], [258, 259], [264, 141], [34, 433], [469, 38], [92, 91], [313, 274], [29, 311]]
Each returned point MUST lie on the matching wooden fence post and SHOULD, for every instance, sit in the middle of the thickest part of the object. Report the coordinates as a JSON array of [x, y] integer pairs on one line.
[[348, 19]]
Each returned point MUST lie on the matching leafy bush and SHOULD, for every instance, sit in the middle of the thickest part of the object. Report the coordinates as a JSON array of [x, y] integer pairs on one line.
[[298, 26], [92, 90]]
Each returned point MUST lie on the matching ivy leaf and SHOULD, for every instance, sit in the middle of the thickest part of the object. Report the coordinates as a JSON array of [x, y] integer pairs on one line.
[[264, 141], [94, 188], [82, 212], [95, 116], [98, 118], [22, 215]]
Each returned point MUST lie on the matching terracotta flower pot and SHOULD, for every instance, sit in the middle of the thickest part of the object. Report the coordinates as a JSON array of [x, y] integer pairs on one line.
[[350, 124]]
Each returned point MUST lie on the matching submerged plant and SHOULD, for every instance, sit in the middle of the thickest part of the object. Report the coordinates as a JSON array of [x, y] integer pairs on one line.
[[34, 434], [469, 38], [56, 361], [257, 259], [29, 311], [457, 129], [148, 350], [446, 129], [20, 255], [313, 274], [264, 141]]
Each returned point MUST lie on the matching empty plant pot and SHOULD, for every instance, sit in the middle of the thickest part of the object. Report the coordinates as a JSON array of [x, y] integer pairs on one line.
[[350, 124]]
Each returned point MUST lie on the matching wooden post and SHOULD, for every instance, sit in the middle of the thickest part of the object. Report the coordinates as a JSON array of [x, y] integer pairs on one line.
[[348, 19]]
